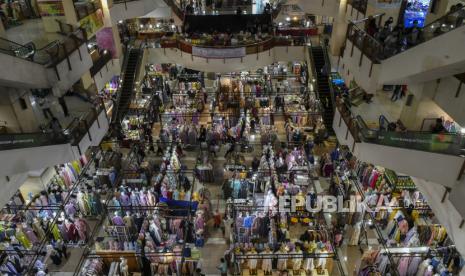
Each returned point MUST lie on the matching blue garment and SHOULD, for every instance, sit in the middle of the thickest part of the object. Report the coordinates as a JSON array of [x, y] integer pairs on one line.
[[335, 155], [435, 262], [236, 185], [248, 221]]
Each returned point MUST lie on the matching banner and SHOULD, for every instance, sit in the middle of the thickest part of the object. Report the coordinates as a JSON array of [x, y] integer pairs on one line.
[[105, 40], [92, 23], [51, 8], [440, 143], [218, 52]]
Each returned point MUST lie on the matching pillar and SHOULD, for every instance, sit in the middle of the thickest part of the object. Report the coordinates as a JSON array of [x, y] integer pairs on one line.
[[339, 29], [70, 12]]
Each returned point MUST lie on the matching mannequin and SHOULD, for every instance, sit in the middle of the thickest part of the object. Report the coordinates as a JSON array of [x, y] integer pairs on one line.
[[30, 234], [321, 262], [23, 239], [123, 266], [266, 262], [143, 197], [252, 263], [429, 271], [117, 220], [81, 203], [81, 227], [282, 261], [423, 267], [151, 198], [36, 225], [297, 261], [129, 222], [155, 232], [134, 198], [71, 230]]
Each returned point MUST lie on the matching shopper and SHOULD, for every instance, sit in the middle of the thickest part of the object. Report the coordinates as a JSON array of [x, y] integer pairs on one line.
[[44, 103], [198, 272], [438, 127], [62, 102], [231, 149], [56, 127], [223, 268], [396, 94]]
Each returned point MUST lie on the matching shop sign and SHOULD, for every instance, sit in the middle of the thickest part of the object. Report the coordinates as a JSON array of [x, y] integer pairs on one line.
[[92, 23], [51, 8], [441, 143], [218, 52]]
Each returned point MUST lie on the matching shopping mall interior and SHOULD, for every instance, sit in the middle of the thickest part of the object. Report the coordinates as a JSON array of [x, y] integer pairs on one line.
[[232, 137]]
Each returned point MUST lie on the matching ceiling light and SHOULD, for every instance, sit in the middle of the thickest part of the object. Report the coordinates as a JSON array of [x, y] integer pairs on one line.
[[120, 21], [288, 18]]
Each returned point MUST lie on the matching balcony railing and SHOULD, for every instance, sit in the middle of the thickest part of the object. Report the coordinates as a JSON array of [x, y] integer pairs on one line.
[[251, 48], [376, 51], [105, 57], [72, 134], [50, 55], [442, 143]]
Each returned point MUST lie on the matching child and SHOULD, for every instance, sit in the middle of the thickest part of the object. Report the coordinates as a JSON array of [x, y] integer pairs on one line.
[[217, 219]]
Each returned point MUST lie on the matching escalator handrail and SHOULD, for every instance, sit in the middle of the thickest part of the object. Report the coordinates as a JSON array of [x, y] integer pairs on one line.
[[115, 114], [382, 120], [123, 71], [328, 72]]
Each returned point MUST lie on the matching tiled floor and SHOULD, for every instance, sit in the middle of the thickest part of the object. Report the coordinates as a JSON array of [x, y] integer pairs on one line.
[[381, 105], [31, 30], [76, 108]]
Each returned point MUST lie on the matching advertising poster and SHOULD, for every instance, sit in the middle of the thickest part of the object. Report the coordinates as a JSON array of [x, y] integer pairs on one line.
[[51, 8], [105, 40], [92, 23], [416, 10], [218, 52]]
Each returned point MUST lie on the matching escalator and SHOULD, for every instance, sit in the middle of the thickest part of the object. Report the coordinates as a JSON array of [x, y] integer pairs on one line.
[[323, 85], [130, 67]]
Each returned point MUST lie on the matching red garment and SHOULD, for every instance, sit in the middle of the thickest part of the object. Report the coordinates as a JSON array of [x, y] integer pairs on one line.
[[71, 232], [373, 180]]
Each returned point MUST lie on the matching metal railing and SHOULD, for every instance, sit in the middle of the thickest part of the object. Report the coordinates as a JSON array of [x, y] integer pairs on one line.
[[105, 57], [442, 143], [51, 54], [377, 51], [72, 134], [251, 48]]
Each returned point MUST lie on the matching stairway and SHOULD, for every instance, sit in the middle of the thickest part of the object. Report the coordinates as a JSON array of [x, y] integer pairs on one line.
[[127, 88], [324, 91]]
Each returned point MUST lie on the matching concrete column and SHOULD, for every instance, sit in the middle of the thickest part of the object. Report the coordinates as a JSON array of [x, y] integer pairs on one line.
[[70, 12], [18, 117], [422, 105], [117, 41], [339, 29]]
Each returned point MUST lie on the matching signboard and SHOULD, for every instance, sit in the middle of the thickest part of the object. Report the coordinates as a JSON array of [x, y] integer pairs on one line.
[[440, 143], [51, 8], [105, 40], [218, 52], [92, 23], [416, 10]]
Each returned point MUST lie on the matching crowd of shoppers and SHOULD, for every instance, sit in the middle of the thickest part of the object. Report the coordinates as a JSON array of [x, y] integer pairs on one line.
[[391, 39]]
